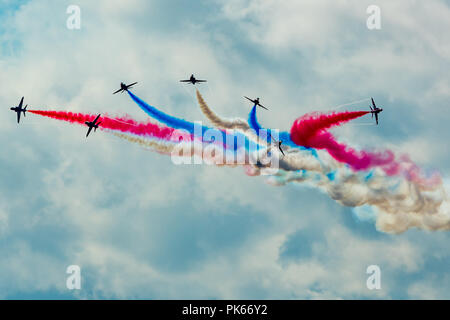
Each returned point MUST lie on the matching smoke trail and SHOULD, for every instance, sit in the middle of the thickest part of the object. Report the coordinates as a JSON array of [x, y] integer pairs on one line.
[[123, 124], [233, 124], [162, 117], [307, 127], [209, 154], [266, 133], [229, 140], [311, 130], [399, 201], [257, 133], [294, 159], [349, 104], [162, 148], [398, 204], [167, 139], [218, 121]]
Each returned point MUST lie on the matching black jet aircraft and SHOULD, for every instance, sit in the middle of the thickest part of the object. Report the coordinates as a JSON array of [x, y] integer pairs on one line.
[[19, 109], [375, 110], [256, 102], [193, 80], [92, 125], [124, 87]]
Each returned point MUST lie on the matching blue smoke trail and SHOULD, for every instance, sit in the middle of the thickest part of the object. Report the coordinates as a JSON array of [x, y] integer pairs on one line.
[[252, 122], [283, 135], [162, 117], [234, 138]]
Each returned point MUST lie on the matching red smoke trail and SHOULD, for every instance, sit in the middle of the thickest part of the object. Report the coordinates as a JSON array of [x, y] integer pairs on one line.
[[310, 130], [122, 124], [312, 124]]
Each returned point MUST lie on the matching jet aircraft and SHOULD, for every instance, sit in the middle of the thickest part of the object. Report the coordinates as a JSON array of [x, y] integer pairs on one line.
[[19, 110], [256, 102], [125, 87], [92, 125], [375, 111], [193, 80]]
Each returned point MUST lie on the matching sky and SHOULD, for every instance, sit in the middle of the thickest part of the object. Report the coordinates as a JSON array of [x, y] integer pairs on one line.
[[141, 227]]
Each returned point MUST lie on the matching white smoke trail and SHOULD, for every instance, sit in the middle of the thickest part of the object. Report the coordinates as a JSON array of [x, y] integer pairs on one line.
[[208, 153], [152, 144], [349, 104], [399, 204], [218, 121]]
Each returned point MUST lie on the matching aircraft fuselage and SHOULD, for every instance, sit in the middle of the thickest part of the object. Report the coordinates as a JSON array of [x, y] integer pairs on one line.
[[376, 110], [18, 109]]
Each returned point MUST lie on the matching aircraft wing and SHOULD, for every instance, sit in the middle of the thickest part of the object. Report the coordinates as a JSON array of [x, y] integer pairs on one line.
[[18, 117], [185, 80], [376, 117], [130, 85], [89, 131], [249, 99], [282, 151], [262, 106], [200, 81], [97, 118], [373, 103], [21, 103], [117, 91]]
